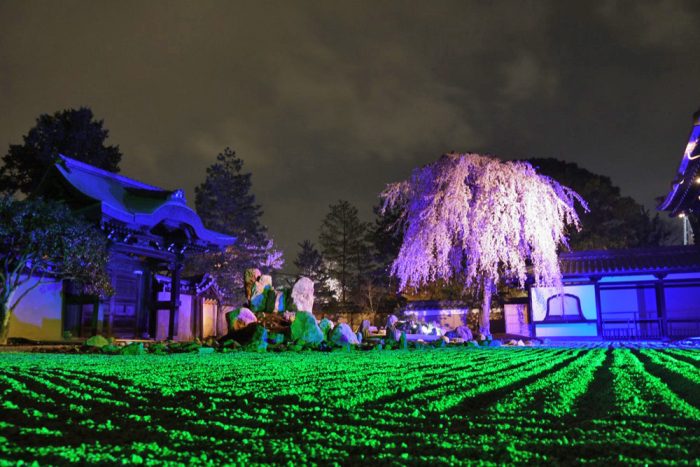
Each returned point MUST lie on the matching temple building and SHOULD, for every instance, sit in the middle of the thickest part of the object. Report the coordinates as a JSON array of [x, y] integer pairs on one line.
[[684, 198], [151, 232], [646, 293]]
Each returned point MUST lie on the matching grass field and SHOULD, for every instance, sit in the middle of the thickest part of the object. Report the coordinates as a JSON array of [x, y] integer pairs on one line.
[[440, 406]]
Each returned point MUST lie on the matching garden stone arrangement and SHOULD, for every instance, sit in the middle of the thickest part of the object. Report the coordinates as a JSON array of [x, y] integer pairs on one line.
[[317, 392]]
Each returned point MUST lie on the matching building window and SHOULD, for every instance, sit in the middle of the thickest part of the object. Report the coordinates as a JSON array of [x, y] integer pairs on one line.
[[564, 308]]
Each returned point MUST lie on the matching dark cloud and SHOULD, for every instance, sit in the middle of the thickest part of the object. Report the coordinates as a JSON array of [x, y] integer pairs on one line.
[[328, 100]]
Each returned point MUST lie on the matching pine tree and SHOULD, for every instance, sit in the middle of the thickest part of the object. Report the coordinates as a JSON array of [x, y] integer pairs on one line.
[[614, 221], [309, 262], [226, 204], [73, 133], [344, 247]]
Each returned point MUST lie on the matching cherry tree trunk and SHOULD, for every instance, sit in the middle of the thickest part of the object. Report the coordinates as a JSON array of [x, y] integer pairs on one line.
[[485, 321], [5, 313]]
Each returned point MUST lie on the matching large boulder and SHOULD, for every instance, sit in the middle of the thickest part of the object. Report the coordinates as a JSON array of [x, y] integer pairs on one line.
[[240, 318], [342, 335], [306, 329], [303, 295]]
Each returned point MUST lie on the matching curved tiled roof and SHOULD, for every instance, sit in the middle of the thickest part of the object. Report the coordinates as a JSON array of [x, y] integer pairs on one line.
[[631, 261], [685, 189], [136, 203]]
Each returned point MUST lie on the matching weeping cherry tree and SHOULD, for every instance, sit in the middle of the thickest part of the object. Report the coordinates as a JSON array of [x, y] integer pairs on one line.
[[481, 219]]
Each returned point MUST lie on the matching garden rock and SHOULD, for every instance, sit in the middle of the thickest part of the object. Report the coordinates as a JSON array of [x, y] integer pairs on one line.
[[463, 332], [392, 333], [135, 348], [259, 294], [326, 326], [110, 349], [342, 334], [258, 343], [280, 302], [97, 341], [305, 328], [250, 277], [303, 295], [240, 318], [158, 348], [365, 328]]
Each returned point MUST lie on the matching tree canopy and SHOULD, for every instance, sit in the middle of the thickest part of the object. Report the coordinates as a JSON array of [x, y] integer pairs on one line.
[[73, 133], [343, 240], [41, 240], [481, 219], [226, 204], [613, 221]]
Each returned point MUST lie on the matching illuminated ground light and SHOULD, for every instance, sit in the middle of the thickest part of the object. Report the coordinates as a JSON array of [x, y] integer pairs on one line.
[[438, 406]]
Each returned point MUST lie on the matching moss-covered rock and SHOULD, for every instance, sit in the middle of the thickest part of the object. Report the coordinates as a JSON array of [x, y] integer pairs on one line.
[[259, 341], [135, 348], [305, 329], [342, 334], [158, 348], [326, 326], [97, 341], [110, 349]]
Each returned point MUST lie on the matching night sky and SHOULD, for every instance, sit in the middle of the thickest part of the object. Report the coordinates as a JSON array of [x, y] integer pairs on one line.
[[332, 100]]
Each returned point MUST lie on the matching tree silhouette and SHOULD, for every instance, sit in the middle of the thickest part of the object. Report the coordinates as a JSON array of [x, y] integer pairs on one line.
[[344, 247], [73, 133], [226, 204], [613, 221]]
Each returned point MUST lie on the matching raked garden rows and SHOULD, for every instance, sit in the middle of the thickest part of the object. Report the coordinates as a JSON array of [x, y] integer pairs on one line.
[[437, 406]]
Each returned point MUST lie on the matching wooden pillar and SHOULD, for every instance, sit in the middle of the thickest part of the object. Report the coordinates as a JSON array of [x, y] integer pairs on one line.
[[661, 305], [197, 311], [174, 297], [138, 304], [95, 317], [598, 309]]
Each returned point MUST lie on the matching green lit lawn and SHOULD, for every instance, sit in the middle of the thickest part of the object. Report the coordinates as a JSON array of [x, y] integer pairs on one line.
[[432, 407]]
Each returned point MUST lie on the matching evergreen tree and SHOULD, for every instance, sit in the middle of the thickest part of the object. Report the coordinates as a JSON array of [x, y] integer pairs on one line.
[[73, 133], [344, 247], [614, 221], [309, 262], [225, 203]]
